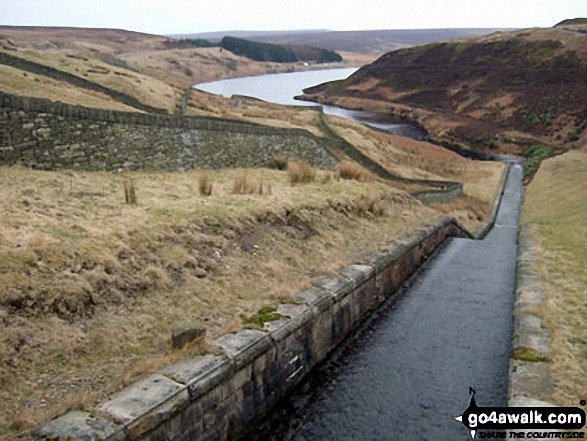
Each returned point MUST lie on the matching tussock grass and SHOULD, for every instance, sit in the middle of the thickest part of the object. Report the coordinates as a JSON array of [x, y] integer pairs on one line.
[[279, 162], [300, 172], [352, 170], [370, 206], [555, 206], [130, 191], [205, 184], [243, 184]]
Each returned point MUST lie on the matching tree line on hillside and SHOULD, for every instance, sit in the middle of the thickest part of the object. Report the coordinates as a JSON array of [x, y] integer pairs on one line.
[[260, 51]]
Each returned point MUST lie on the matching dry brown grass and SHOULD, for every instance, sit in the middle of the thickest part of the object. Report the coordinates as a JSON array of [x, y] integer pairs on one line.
[[300, 172], [555, 207], [370, 206], [109, 40], [470, 212], [243, 184], [205, 184], [89, 285], [420, 160], [130, 191], [352, 170], [23, 83], [146, 89]]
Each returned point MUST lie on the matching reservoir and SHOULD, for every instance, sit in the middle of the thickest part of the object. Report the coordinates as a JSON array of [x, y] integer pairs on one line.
[[406, 374], [283, 87]]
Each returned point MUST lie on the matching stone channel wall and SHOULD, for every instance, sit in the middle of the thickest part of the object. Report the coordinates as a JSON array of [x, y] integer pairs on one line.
[[218, 397], [47, 135]]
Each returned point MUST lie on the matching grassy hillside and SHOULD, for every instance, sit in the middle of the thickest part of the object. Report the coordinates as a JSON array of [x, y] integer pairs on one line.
[[505, 92], [108, 40], [556, 208]]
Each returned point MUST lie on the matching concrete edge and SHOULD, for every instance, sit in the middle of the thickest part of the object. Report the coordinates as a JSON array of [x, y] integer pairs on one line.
[[529, 375], [481, 232]]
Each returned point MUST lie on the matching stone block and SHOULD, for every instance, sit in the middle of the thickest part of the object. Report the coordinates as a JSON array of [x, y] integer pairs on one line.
[[298, 315], [528, 324], [317, 298], [337, 287], [76, 426], [193, 369], [140, 397], [185, 332], [380, 261], [358, 274], [244, 347], [537, 343]]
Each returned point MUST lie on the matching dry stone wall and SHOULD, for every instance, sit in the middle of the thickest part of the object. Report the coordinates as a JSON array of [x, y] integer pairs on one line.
[[46, 135]]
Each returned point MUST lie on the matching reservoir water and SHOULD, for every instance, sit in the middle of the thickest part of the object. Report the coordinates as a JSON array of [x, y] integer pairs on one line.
[[282, 88], [406, 374]]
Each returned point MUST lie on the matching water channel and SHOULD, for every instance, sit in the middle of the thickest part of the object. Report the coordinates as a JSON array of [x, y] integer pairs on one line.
[[406, 374]]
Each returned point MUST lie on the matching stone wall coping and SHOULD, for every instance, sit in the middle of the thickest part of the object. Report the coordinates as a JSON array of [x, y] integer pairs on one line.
[[318, 299], [481, 232], [379, 261], [244, 346], [211, 377], [295, 317], [193, 369], [337, 287], [139, 397], [358, 274], [77, 425]]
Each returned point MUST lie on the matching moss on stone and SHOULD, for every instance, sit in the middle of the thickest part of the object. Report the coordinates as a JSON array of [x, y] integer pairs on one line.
[[528, 354], [264, 315]]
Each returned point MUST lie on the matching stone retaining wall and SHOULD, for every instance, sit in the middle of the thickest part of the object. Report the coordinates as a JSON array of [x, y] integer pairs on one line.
[[218, 397], [46, 135]]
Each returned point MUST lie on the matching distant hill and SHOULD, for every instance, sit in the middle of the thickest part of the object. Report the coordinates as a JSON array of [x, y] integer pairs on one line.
[[117, 40], [572, 22], [499, 92], [217, 36], [379, 41], [371, 42]]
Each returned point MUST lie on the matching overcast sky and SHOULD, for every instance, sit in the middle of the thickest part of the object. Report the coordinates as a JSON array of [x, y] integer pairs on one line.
[[194, 16]]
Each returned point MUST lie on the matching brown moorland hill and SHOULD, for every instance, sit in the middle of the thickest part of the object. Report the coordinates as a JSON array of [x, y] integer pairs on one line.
[[114, 40], [503, 93]]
